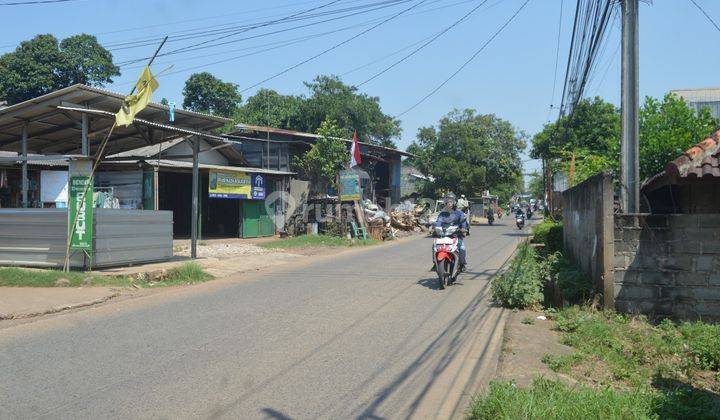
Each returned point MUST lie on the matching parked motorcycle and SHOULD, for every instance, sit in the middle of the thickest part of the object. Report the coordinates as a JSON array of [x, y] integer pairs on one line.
[[446, 254], [520, 220]]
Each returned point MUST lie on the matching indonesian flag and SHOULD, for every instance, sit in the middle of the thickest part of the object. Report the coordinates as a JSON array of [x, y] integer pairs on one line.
[[355, 151]]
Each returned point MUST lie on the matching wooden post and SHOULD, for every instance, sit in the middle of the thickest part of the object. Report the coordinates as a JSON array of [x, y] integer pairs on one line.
[[195, 198], [24, 167]]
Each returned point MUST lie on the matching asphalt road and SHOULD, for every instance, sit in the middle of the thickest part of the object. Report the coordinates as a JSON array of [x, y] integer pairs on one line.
[[361, 334]]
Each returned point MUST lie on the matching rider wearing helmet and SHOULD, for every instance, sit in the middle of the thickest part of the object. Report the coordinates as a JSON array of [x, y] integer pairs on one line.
[[450, 215]]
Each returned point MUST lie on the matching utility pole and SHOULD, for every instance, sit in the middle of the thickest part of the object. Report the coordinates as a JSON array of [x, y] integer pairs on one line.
[[629, 155]]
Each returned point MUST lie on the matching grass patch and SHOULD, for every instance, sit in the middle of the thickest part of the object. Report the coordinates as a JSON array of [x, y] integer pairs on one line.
[[676, 364], [19, 277], [187, 273], [317, 241], [549, 399]]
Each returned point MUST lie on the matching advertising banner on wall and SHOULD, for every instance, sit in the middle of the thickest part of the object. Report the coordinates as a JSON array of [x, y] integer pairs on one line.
[[82, 235], [236, 185], [350, 185]]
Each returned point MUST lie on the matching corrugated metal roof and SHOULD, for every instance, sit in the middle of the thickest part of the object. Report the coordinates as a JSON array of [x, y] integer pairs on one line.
[[283, 131], [53, 123], [33, 160], [168, 163]]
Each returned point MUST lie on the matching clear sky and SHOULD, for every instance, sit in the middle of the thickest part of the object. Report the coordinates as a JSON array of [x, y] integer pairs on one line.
[[512, 78]]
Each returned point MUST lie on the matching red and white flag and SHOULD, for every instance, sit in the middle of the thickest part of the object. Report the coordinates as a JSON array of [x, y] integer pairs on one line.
[[355, 151]]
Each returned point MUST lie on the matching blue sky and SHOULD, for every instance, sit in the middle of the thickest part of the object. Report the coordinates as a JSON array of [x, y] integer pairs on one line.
[[512, 77]]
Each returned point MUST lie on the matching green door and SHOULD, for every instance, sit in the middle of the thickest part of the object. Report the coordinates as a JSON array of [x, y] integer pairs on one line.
[[251, 219]]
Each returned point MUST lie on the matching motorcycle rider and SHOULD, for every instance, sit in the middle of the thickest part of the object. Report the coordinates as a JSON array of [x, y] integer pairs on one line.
[[462, 204], [451, 216]]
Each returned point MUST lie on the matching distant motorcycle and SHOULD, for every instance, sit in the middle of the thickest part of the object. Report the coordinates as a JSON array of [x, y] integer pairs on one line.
[[490, 218], [520, 220], [446, 254]]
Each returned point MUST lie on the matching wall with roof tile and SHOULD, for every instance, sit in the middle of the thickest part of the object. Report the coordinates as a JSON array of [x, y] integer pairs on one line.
[[668, 265]]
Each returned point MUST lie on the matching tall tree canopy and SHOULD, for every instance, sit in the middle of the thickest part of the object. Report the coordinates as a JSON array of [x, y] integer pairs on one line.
[[204, 92], [592, 136], [469, 152], [42, 65], [269, 108], [329, 99]]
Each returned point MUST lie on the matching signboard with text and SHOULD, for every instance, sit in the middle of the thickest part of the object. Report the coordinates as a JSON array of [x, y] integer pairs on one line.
[[236, 185], [350, 185], [81, 212]]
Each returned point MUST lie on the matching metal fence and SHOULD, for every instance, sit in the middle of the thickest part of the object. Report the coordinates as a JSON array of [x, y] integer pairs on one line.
[[37, 237]]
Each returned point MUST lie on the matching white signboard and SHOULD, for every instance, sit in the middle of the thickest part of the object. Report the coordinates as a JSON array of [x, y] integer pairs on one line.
[[53, 186]]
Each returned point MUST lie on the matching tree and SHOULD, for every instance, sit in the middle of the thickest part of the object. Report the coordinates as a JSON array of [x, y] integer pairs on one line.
[[42, 65], [536, 185], [591, 136], [469, 153], [667, 129], [204, 92], [588, 139], [325, 158], [329, 100], [269, 108], [332, 99]]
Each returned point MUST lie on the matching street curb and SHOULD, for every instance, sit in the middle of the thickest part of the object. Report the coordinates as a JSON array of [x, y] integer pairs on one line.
[[58, 309]]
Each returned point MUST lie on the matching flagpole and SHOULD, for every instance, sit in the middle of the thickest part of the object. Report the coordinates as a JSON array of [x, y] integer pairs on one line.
[[98, 158]]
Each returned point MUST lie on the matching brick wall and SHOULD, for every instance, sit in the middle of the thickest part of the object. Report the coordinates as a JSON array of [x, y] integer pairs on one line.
[[668, 265]]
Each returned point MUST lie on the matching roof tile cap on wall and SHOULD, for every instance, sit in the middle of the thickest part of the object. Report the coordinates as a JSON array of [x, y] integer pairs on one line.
[[693, 156]]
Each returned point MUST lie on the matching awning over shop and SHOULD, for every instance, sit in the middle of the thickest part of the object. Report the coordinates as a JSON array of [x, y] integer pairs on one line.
[[58, 122]]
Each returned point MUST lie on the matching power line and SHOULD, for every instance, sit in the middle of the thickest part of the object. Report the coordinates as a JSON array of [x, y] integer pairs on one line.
[[327, 50], [472, 57], [22, 3], [557, 59], [706, 15], [428, 42]]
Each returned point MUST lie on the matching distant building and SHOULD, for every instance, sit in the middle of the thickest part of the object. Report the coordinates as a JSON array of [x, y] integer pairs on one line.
[[701, 98]]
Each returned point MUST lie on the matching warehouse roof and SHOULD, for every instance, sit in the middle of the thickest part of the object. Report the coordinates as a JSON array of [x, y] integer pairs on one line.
[[53, 122]]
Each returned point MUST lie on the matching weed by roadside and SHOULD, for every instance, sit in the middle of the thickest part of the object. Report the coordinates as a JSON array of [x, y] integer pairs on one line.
[[20, 277], [316, 241], [520, 286], [550, 399], [549, 233], [187, 273]]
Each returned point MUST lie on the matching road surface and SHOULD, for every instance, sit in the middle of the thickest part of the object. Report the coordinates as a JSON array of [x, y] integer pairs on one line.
[[361, 334]]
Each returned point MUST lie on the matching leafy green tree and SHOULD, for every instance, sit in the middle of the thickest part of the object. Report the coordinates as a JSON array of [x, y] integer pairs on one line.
[[469, 152], [331, 99], [42, 65], [204, 92], [667, 129], [269, 108], [325, 158], [536, 185]]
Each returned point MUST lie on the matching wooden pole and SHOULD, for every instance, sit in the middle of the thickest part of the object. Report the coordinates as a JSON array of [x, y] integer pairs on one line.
[[24, 167]]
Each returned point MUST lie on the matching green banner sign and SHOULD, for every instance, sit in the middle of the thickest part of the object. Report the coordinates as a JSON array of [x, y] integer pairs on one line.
[[82, 235]]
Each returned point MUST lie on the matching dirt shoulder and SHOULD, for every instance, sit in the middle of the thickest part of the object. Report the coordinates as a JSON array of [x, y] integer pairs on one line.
[[527, 340]]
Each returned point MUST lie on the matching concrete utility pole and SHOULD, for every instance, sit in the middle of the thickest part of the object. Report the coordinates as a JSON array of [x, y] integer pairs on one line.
[[629, 156]]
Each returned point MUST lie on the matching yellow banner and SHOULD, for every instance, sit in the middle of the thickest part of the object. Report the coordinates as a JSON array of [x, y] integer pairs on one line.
[[133, 104], [230, 185]]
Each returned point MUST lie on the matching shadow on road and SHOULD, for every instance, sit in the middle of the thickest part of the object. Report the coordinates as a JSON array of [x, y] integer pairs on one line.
[[274, 414], [431, 283], [517, 234]]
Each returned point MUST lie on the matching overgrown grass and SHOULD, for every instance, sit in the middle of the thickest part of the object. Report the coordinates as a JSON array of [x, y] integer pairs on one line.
[[317, 241], [676, 363], [20, 277], [550, 399], [549, 233], [520, 286]]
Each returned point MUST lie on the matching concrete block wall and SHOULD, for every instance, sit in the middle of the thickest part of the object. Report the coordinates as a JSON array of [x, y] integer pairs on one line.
[[588, 231], [667, 265]]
